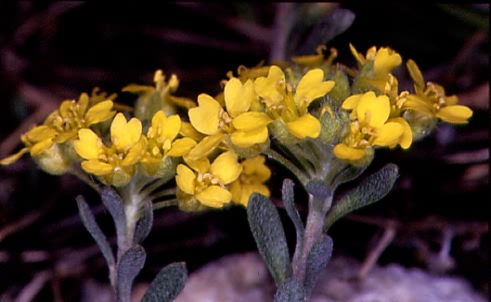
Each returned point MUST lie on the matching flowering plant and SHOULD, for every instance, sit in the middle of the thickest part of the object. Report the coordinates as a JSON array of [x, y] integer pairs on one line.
[[321, 120]]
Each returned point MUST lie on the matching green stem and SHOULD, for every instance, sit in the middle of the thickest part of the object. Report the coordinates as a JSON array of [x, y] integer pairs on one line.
[[288, 164], [165, 203], [159, 194], [132, 205], [313, 232], [147, 191]]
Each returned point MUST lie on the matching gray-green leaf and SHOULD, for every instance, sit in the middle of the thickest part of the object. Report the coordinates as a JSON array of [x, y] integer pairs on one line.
[[290, 291], [91, 225], [316, 261], [374, 188], [129, 266], [167, 284], [266, 227], [144, 224], [114, 204], [291, 210]]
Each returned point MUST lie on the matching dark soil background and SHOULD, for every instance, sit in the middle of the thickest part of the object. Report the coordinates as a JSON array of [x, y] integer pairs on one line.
[[51, 51]]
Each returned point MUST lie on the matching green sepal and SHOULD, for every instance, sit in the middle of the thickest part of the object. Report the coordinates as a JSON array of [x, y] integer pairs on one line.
[[316, 261], [168, 283], [144, 224], [371, 190], [290, 291], [91, 225], [129, 266], [341, 91], [268, 232]]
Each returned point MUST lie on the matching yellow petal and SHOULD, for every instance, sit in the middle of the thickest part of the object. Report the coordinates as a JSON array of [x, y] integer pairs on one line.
[[88, 145], [99, 113], [251, 120], [248, 189], [373, 110], [238, 97], [226, 167], [414, 102], [188, 130], [255, 166], [415, 74], [83, 103], [125, 134], [41, 146], [245, 139], [40, 133], [352, 102], [305, 126], [311, 87], [185, 179], [407, 135], [181, 146], [347, 153], [158, 121], [214, 197], [456, 114], [385, 60], [270, 87], [205, 146], [205, 117], [164, 127], [358, 56], [389, 134], [96, 167], [14, 157], [201, 165], [135, 153]]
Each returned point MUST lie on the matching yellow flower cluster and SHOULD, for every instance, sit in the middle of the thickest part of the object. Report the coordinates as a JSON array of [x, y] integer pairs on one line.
[[384, 117], [308, 108]]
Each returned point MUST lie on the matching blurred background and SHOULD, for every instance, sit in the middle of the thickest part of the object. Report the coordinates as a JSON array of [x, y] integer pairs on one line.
[[51, 51]]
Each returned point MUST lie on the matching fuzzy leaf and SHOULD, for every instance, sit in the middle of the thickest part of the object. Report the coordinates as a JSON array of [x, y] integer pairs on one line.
[[268, 232], [91, 225], [129, 266], [113, 203], [290, 291], [291, 210], [144, 224], [167, 284], [371, 190], [327, 28], [316, 261]]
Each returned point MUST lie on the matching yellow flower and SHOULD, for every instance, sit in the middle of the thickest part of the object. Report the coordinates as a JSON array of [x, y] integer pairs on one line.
[[384, 61], [207, 183], [115, 164], [162, 142], [430, 100], [61, 126], [251, 180], [371, 127], [161, 137], [72, 116], [317, 59], [281, 103], [246, 128], [159, 97]]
